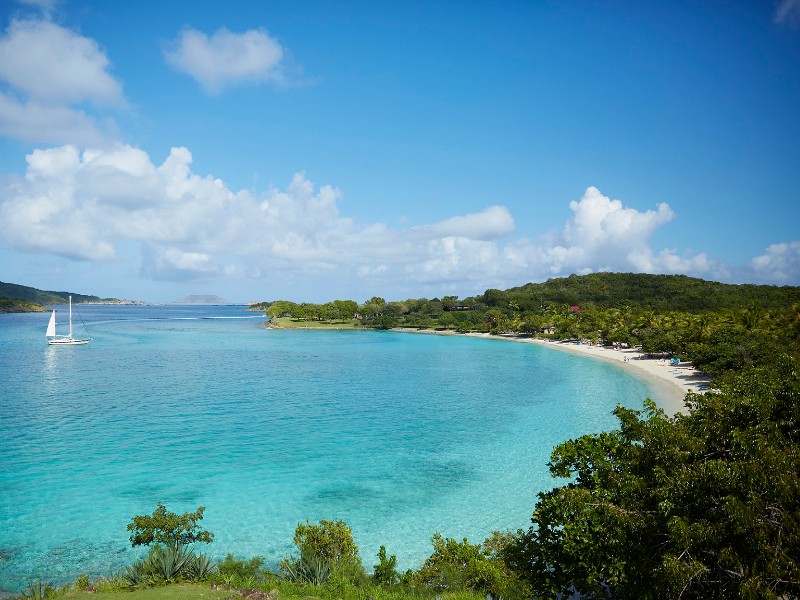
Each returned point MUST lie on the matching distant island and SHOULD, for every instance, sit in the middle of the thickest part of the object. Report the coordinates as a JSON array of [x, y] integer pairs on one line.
[[201, 299]]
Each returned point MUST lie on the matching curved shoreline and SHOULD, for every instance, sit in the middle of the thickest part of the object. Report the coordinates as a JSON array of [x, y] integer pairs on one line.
[[669, 382]]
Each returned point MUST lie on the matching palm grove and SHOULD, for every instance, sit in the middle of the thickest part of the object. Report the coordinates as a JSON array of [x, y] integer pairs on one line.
[[698, 505]]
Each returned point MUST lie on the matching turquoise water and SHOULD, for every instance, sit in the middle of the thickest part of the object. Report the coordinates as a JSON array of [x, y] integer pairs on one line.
[[400, 435]]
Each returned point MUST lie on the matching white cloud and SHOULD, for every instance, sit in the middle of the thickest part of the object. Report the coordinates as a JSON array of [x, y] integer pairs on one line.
[[171, 264], [34, 122], [492, 223], [48, 70], [602, 235], [780, 264], [788, 12], [600, 222], [226, 59], [55, 65], [91, 205]]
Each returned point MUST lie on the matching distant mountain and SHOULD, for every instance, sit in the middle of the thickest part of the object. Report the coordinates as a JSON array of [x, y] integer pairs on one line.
[[23, 292], [201, 299]]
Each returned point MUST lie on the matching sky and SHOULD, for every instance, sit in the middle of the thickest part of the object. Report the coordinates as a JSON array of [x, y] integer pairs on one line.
[[314, 151]]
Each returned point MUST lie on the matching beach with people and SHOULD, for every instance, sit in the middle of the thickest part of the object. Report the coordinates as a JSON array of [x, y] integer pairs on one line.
[[670, 379]]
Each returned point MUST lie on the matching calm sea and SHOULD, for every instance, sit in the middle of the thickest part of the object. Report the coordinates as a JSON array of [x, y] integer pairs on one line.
[[399, 435]]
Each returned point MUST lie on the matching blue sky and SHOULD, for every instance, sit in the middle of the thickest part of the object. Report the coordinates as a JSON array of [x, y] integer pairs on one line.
[[314, 151]]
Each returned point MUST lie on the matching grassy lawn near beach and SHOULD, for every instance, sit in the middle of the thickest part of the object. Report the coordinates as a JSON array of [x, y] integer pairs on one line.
[[205, 592], [170, 592], [290, 323]]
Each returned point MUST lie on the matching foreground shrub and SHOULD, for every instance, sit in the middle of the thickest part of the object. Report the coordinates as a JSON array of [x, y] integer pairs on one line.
[[167, 528], [329, 540], [240, 573], [460, 566], [705, 505], [82, 582], [385, 573], [40, 590], [327, 552]]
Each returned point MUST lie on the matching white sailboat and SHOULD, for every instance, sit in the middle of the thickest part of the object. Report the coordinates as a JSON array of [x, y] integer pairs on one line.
[[63, 340]]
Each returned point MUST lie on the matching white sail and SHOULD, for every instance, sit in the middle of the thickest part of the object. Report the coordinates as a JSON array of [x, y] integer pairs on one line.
[[51, 327]]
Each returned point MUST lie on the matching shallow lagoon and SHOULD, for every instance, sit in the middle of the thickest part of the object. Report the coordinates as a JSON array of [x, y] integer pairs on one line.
[[399, 435]]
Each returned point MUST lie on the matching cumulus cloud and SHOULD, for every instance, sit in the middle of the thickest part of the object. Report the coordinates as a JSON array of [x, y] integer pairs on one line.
[[226, 59], [599, 222], [87, 205], [604, 235], [780, 264], [47, 70]]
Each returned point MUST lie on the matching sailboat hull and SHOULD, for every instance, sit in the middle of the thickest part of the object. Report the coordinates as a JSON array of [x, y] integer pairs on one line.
[[66, 342]]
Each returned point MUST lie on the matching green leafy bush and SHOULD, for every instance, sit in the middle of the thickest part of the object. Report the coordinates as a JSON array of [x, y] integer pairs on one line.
[[326, 550], [705, 505], [460, 566], [385, 572], [82, 582], [168, 528], [241, 573]]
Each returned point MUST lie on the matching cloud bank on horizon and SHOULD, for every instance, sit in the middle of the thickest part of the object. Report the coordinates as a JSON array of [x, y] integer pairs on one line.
[[80, 204], [88, 196]]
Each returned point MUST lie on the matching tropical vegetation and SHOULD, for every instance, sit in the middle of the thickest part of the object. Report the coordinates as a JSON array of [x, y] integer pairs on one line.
[[15, 305]]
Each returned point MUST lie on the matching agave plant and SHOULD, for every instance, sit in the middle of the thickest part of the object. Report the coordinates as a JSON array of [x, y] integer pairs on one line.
[[171, 563], [200, 568], [134, 575], [311, 569], [162, 565]]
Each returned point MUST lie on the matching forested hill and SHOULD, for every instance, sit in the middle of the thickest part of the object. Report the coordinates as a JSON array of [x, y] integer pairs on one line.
[[14, 305], [22, 292], [655, 292]]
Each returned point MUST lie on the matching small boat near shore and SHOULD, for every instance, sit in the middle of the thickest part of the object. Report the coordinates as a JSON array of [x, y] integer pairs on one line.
[[54, 339]]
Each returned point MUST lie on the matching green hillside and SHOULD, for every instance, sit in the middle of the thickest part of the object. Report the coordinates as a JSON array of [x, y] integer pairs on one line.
[[656, 292], [13, 305], [29, 294]]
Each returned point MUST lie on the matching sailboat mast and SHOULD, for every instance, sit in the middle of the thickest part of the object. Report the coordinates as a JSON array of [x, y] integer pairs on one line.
[[70, 316]]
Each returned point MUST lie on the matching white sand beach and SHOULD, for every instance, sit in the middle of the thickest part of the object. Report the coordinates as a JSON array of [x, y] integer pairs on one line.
[[669, 382]]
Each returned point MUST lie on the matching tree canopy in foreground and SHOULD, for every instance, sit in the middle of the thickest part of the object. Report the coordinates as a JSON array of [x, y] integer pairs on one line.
[[167, 528], [705, 505]]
